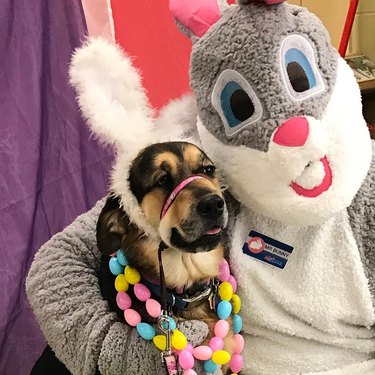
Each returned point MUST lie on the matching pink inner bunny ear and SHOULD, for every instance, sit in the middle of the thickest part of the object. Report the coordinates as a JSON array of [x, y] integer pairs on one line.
[[196, 15]]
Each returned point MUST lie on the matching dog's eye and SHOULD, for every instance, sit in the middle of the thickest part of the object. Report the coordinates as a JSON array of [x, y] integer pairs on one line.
[[209, 170], [163, 180]]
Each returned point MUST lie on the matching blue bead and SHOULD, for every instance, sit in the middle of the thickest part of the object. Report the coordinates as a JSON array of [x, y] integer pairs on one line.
[[146, 331], [172, 324], [209, 366], [121, 257], [237, 323], [115, 267], [224, 309]]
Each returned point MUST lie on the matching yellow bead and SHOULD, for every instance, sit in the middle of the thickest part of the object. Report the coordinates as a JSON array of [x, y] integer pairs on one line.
[[225, 291], [236, 304], [160, 342], [220, 357], [179, 341], [121, 284], [132, 275]]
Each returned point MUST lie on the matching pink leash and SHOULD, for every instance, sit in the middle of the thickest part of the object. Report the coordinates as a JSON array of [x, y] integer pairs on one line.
[[177, 190]]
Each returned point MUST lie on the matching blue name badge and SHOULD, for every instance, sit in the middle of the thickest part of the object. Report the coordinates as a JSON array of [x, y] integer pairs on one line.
[[266, 249]]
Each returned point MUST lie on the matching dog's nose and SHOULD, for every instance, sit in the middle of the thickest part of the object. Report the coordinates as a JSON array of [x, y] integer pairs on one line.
[[211, 206]]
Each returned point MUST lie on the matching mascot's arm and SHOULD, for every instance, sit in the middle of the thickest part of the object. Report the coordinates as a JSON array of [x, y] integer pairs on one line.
[[362, 218], [63, 290]]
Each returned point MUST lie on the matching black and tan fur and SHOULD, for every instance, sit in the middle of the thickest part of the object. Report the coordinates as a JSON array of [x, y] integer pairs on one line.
[[192, 256]]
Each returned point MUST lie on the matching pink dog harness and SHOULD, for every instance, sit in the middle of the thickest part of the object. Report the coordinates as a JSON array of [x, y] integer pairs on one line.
[[177, 190]]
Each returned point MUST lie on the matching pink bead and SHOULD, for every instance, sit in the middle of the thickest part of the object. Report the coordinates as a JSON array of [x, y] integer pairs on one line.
[[239, 343], [221, 328], [236, 363], [202, 353], [132, 317], [233, 282], [186, 360], [142, 292], [224, 271], [216, 343], [123, 300], [190, 372], [189, 348], [153, 308]]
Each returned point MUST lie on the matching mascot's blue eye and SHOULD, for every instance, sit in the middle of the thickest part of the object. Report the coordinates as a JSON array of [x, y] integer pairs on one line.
[[236, 104], [299, 67], [300, 71]]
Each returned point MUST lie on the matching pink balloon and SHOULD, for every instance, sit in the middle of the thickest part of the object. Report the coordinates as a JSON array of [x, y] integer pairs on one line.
[[236, 363], [153, 307], [221, 328], [186, 360], [239, 343], [190, 372], [142, 292], [202, 353], [216, 343], [189, 348], [123, 300], [132, 317]]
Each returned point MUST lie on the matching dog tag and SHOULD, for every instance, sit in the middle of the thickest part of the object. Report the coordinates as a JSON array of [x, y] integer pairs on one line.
[[167, 356]]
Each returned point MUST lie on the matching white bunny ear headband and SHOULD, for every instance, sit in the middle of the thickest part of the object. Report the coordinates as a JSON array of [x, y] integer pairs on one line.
[[114, 103]]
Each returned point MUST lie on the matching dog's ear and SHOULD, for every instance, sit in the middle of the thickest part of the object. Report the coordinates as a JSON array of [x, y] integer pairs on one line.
[[113, 224]]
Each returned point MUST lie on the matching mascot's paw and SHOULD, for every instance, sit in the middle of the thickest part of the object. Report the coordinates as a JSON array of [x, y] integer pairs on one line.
[[194, 330]]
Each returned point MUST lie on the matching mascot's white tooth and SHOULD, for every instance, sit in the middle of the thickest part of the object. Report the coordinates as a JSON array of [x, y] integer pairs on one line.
[[311, 176]]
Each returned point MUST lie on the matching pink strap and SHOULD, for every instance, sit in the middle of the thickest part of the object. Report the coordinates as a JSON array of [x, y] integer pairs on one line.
[[176, 191]]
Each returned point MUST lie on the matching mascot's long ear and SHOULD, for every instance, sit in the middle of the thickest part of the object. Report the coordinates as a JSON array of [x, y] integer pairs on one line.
[[195, 17], [110, 93]]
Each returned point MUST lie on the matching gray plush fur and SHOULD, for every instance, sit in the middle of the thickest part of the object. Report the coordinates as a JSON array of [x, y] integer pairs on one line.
[[362, 217], [63, 290], [259, 29]]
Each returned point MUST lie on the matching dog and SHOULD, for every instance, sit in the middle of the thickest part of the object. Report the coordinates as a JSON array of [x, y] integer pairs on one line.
[[193, 230]]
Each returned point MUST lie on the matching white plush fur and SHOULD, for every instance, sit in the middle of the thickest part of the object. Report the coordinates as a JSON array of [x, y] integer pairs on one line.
[[177, 120], [112, 99], [110, 94], [318, 308], [263, 181], [114, 103]]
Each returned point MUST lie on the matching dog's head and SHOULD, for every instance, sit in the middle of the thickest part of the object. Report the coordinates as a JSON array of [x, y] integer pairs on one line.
[[195, 218]]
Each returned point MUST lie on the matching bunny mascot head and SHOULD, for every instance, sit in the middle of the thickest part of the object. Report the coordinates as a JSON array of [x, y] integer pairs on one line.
[[280, 113]]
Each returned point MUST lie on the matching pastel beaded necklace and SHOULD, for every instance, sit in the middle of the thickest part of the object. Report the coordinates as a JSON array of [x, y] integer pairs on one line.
[[171, 342]]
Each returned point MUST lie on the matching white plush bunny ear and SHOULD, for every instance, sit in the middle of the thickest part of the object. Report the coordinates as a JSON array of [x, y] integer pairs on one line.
[[110, 94], [195, 17]]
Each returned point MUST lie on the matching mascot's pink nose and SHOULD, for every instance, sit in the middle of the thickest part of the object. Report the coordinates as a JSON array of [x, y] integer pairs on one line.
[[292, 133]]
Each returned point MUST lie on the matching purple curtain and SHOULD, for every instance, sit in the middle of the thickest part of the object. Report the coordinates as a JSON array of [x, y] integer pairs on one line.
[[50, 168]]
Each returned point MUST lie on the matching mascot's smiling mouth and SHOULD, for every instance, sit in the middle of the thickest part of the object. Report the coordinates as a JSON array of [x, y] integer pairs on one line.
[[318, 189]]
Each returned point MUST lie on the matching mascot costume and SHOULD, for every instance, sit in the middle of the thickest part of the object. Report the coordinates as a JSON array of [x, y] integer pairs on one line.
[[279, 112]]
